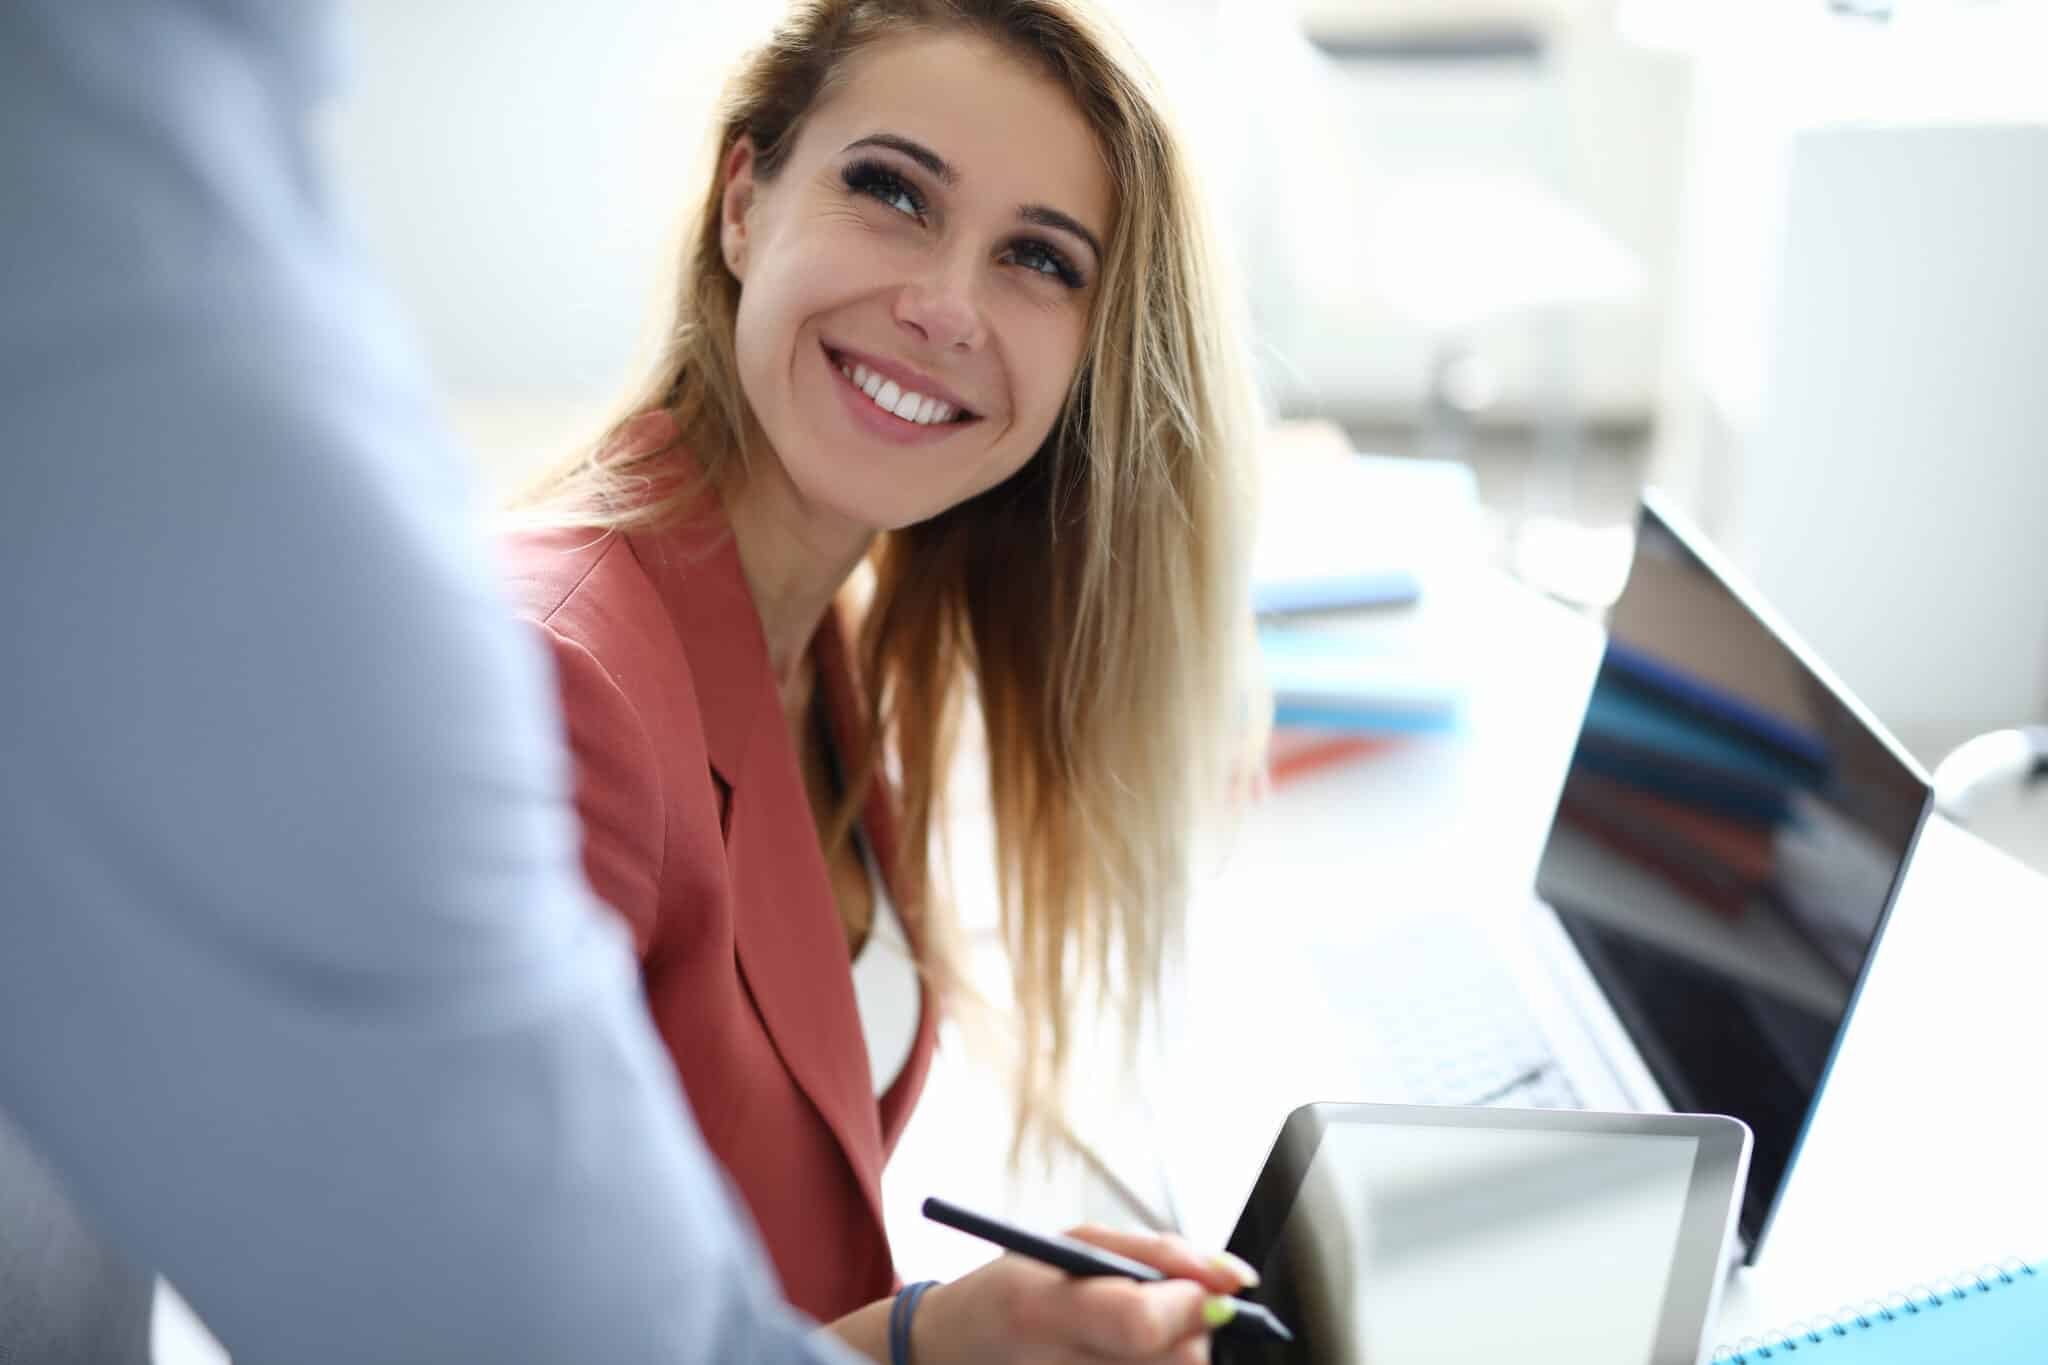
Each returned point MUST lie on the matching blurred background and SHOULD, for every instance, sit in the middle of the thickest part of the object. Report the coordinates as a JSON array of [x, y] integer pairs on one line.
[[1779, 256]]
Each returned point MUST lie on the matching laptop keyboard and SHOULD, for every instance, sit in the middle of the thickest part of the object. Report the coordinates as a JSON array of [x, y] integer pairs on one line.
[[1449, 1025]]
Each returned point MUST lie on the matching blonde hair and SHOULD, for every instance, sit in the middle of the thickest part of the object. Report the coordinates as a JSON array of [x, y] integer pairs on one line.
[[1096, 601]]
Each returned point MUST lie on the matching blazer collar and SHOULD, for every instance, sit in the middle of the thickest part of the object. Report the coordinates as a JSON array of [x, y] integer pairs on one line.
[[790, 944], [696, 570], [697, 573]]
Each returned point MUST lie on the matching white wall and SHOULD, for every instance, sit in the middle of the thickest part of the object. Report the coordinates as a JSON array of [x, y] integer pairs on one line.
[[519, 166], [1851, 401], [1895, 494], [519, 170]]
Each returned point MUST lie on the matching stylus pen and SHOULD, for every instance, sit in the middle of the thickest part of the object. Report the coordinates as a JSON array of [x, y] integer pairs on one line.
[[1252, 1321]]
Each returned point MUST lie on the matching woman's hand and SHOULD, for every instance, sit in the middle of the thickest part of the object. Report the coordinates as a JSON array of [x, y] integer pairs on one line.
[[1016, 1310]]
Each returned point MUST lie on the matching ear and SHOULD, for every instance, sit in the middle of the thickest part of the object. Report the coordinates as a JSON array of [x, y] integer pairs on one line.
[[735, 203]]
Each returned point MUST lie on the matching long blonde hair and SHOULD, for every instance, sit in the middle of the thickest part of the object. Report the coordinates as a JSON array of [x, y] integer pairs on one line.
[[1094, 605]]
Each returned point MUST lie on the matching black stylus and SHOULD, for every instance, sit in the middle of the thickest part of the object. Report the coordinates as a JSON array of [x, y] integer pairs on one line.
[[1253, 1321]]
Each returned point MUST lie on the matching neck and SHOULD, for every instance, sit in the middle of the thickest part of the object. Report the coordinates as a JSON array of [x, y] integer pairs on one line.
[[795, 560]]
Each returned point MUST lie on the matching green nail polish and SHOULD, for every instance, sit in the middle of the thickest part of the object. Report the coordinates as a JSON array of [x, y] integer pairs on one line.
[[1218, 1309], [1236, 1265]]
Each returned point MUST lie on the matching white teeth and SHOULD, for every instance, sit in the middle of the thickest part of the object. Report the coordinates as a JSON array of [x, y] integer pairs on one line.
[[906, 404]]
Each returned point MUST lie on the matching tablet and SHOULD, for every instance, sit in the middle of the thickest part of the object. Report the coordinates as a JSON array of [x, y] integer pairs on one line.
[[1387, 1234]]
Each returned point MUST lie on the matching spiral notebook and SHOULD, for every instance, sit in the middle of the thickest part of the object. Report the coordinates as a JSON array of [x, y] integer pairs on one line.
[[1994, 1316]]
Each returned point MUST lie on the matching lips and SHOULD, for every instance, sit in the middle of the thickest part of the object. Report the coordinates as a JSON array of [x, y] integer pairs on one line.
[[898, 391]]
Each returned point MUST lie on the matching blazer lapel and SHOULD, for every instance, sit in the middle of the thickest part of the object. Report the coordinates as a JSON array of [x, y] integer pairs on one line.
[[846, 710], [787, 935]]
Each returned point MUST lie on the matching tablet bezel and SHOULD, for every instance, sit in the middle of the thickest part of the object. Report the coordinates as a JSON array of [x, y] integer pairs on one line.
[[1692, 1282]]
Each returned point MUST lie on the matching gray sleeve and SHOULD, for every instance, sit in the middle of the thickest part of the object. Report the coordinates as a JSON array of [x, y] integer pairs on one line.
[[301, 988]]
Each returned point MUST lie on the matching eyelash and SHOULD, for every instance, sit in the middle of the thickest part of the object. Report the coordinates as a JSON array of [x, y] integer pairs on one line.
[[877, 181], [885, 186], [1062, 270]]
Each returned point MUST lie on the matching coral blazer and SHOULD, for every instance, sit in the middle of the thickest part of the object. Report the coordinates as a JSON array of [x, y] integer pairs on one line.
[[698, 830]]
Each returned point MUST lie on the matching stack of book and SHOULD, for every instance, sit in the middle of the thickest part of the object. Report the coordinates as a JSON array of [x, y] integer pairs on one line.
[[1700, 756], [1358, 581]]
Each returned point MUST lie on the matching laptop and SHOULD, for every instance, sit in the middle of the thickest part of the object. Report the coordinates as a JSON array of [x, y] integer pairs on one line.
[[1730, 839], [1727, 844]]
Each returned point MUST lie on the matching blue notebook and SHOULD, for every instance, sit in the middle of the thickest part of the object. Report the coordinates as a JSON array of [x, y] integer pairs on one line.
[[1994, 1316], [1399, 679], [1648, 670], [1625, 718]]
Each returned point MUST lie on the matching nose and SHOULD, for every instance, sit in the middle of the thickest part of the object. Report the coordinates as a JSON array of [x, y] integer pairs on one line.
[[941, 309]]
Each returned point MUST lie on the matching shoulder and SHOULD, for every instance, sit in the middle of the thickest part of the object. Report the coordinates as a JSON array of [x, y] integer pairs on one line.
[[627, 703], [601, 615], [595, 602], [561, 574]]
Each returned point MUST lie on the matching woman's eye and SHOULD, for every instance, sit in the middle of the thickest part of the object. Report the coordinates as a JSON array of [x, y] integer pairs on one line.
[[879, 182], [1038, 257]]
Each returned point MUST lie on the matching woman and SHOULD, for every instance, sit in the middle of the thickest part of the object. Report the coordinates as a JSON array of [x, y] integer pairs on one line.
[[947, 311]]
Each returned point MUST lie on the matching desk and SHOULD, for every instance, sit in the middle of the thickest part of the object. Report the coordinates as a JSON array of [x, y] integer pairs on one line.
[[1920, 1160], [1437, 820]]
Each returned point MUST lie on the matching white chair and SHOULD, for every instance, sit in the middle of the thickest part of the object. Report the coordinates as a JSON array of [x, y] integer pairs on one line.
[[1996, 785]]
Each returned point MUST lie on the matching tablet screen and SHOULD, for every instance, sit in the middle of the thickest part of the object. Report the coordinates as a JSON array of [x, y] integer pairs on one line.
[[1414, 1242]]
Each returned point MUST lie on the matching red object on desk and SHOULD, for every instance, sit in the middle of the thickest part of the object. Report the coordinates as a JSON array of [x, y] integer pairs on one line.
[[1293, 753], [1709, 885]]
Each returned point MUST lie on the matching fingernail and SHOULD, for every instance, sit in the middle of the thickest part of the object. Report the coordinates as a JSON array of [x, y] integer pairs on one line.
[[1218, 1309], [1237, 1266]]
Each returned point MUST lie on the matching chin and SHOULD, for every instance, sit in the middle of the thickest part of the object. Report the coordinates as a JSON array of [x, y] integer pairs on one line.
[[869, 502]]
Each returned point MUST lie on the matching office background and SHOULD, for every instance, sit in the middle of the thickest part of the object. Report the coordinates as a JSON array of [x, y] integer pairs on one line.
[[1780, 257]]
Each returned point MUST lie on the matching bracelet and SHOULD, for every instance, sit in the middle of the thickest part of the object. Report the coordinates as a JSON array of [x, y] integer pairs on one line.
[[900, 1314]]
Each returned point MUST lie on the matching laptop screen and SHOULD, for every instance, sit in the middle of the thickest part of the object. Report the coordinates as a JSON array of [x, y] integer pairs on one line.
[[1730, 835]]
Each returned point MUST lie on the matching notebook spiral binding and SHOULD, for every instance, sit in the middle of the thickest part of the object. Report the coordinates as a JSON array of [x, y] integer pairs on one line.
[[1938, 1295]]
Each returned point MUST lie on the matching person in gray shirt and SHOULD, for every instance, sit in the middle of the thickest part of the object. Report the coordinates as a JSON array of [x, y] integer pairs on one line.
[[302, 993]]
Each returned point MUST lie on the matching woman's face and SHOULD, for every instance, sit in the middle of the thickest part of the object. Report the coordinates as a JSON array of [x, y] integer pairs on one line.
[[916, 280]]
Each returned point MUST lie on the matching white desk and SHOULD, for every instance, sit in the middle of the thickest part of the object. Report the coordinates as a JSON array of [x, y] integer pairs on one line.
[[1455, 819], [1924, 1155]]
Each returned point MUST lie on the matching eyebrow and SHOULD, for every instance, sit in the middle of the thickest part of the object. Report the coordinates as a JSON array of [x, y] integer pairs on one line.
[[1046, 216], [941, 169], [916, 151]]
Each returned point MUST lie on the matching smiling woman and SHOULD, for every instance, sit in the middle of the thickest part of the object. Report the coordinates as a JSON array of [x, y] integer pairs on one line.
[[908, 230], [948, 308]]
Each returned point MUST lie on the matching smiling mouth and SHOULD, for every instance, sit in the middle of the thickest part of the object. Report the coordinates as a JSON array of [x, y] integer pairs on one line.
[[906, 406]]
